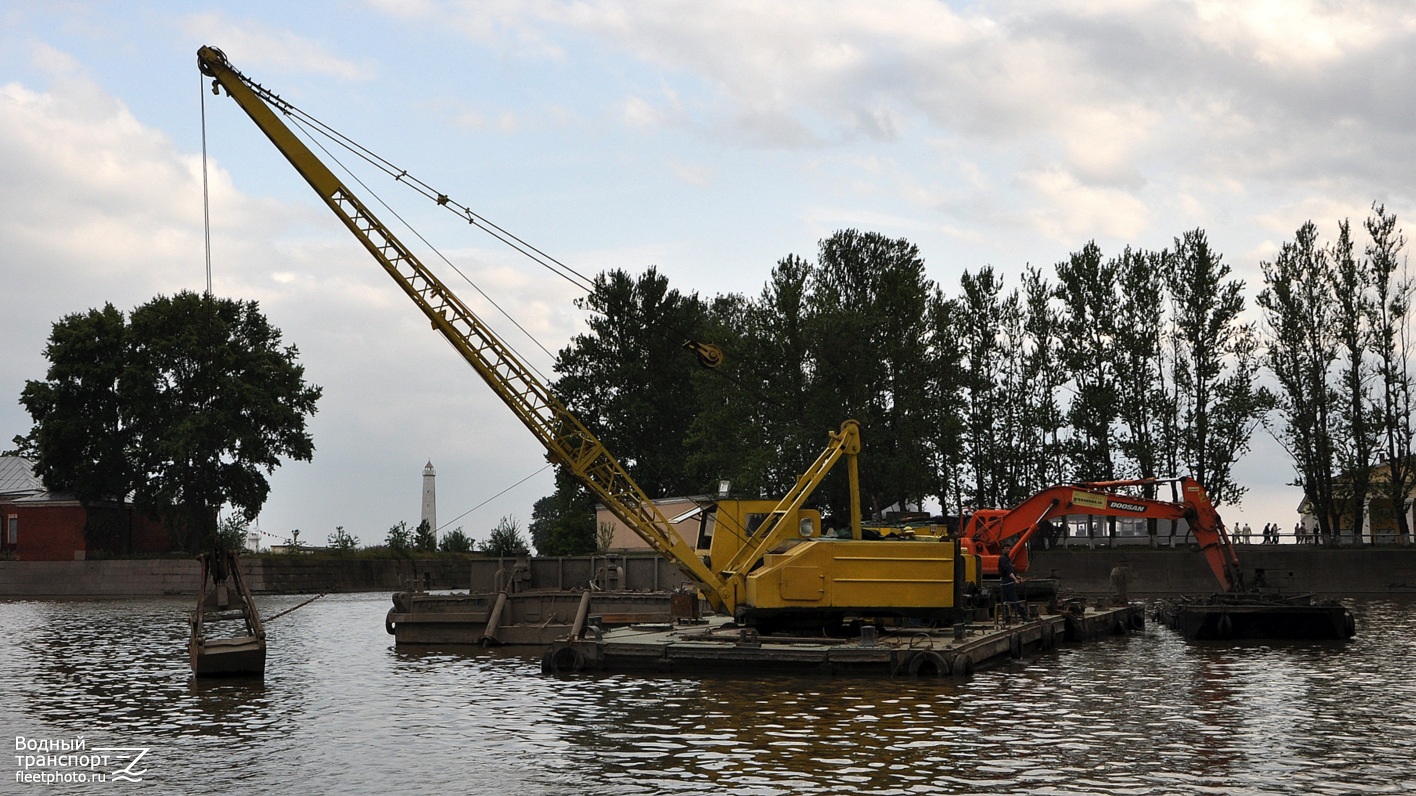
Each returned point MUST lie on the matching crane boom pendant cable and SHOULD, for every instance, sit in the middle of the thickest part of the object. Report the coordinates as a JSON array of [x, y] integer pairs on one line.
[[313, 129], [314, 141], [708, 355]]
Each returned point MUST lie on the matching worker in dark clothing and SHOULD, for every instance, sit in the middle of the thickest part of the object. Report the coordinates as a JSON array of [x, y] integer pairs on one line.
[[1008, 581]]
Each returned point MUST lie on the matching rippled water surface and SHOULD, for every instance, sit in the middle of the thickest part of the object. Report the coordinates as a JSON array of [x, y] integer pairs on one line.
[[342, 711]]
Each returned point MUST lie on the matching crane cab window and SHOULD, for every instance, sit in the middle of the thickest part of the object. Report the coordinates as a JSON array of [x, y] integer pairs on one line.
[[806, 526], [753, 522], [706, 521]]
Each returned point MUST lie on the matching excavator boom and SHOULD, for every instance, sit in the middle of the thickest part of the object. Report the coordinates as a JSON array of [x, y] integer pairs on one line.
[[987, 531]]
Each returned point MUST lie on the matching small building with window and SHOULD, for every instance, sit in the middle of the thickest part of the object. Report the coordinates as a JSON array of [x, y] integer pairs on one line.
[[685, 515], [39, 525]]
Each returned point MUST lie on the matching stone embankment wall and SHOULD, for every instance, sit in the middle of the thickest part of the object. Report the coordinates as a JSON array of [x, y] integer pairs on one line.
[[264, 574], [1342, 572]]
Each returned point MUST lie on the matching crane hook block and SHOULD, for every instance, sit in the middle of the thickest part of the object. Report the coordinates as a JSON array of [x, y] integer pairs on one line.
[[709, 355]]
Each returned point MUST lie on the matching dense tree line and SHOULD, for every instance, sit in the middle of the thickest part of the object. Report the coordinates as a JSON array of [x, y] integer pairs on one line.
[[1135, 364], [1341, 350]]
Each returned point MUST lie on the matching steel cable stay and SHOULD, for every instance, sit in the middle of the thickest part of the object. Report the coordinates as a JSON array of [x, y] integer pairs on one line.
[[707, 354], [296, 117], [710, 356], [494, 497], [312, 125], [435, 250]]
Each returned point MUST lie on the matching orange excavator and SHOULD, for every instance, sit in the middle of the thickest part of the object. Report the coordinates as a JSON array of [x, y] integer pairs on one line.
[[988, 531]]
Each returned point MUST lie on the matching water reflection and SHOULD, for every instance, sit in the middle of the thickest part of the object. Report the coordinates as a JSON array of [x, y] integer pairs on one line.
[[343, 710]]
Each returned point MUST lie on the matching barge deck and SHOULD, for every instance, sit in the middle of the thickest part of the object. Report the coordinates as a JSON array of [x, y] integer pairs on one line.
[[717, 644]]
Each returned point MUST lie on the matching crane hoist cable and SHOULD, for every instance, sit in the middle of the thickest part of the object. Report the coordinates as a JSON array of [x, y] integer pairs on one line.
[[206, 194]]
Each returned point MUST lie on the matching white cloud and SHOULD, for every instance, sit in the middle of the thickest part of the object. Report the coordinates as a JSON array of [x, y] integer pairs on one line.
[[693, 173], [1300, 34], [92, 189], [1072, 213], [1100, 90]]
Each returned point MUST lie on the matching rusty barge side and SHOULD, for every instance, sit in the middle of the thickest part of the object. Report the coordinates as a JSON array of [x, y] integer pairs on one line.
[[529, 618]]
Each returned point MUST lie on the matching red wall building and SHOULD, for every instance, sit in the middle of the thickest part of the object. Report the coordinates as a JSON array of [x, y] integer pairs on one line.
[[39, 525]]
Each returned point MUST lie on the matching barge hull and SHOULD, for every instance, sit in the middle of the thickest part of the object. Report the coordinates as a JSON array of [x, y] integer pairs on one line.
[[529, 618], [1221, 620]]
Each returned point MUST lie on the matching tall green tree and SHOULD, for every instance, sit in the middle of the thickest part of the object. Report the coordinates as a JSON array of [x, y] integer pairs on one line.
[[80, 435], [1145, 403], [1393, 349], [1148, 436], [980, 311], [946, 418], [1044, 378], [1087, 292], [1355, 442], [1218, 399], [868, 301], [207, 402], [630, 381], [1302, 345], [752, 427], [1017, 431]]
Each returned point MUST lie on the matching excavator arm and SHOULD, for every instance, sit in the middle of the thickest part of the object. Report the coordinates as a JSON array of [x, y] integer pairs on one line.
[[989, 530], [567, 441]]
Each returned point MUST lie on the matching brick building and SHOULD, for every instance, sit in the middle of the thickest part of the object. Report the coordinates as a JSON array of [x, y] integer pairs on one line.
[[39, 525]]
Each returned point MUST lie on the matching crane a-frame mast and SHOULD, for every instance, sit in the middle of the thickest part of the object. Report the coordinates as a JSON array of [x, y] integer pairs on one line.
[[567, 441]]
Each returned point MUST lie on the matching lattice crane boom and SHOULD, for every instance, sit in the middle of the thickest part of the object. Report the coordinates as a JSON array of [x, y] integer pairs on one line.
[[567, 441]]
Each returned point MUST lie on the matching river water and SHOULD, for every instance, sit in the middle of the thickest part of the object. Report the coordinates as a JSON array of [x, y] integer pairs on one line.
[[342, 711]]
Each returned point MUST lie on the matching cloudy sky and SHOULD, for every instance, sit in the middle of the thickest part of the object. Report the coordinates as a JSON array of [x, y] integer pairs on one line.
[[707, 138]]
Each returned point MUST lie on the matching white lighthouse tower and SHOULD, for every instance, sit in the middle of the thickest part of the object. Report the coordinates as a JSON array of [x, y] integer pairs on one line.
[[430, 496]]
